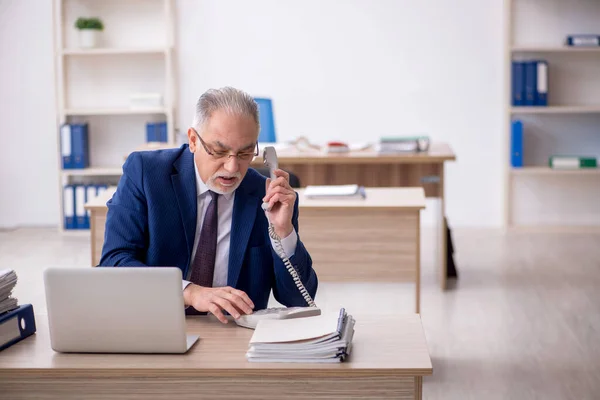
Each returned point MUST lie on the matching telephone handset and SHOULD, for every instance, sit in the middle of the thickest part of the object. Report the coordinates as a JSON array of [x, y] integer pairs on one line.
[[250, 320]]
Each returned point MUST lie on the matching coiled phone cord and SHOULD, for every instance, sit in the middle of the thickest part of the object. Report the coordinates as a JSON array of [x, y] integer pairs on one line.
[[279, 250]]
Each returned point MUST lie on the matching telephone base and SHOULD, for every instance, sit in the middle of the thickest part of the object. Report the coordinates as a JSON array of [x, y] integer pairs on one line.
[[251, 320]]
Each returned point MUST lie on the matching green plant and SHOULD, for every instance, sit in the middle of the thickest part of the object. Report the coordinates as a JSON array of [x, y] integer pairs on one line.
[[89, 23]]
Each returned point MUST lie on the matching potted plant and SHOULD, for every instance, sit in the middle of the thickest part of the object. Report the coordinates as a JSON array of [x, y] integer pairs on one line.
[[89, 31]]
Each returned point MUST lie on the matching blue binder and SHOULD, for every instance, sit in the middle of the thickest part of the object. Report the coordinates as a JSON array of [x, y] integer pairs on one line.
[[81, 218], [516, 144], [16, 325], [162, 132], [530, 83], [518, 83], [80, 145], [151, 132]]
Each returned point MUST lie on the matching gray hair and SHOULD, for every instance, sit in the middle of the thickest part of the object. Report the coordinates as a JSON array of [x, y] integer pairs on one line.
[[231, 100]]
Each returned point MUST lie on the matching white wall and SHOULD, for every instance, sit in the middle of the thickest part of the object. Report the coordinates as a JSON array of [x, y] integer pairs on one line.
[[28, 145], [355, 70], [351, 70]]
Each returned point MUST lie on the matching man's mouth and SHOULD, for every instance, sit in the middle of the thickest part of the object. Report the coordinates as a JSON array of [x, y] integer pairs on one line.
[[226, 181]]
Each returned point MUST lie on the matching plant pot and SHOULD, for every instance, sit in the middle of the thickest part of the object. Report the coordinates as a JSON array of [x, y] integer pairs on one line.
[[89, 38]]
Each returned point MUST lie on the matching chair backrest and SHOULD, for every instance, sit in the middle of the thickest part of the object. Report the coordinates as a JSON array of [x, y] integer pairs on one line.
[[266, 119]]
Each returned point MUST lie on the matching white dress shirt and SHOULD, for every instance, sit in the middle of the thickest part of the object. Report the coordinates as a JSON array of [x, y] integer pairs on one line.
[[224, 215]]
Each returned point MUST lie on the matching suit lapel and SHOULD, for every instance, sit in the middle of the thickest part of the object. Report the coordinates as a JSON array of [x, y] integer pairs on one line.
[[184, 185], [245, 207]]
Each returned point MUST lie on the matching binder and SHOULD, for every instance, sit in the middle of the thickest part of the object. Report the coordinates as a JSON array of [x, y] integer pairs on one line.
[[542, 83], [162, 132], [530, 83], [583, 40], [518, 83], [81, 219], [66, 148], [16, 325], [572, 162], [69, 206], [326, 338], [516, 144], [80, 145], [91, 191], [151, 132]]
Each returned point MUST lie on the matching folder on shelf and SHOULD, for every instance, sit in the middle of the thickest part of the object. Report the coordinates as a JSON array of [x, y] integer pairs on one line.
[[81, 219], [542, 83], [16, 325], [572, 162], [518, 83], [516, 144], [69, 206], [530, 83], [91, 191], [156, 132], [66, 149], [583, 40], [80, 145]]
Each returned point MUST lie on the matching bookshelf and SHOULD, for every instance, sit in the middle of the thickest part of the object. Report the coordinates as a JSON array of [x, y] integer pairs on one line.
[[537, 196], [134, 55]]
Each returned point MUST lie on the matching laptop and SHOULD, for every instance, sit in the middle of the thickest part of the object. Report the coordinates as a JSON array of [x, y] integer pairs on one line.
[[116, 310]]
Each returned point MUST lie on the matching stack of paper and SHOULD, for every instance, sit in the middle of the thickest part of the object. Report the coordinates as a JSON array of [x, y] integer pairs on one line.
[[326, 338], [8, 280], [334, 191]]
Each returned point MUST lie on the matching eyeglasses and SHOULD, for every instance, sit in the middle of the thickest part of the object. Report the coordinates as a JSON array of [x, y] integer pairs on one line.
[[218, 155]]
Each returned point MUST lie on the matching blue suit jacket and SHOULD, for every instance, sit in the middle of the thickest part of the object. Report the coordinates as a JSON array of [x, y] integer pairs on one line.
[[151, 221]]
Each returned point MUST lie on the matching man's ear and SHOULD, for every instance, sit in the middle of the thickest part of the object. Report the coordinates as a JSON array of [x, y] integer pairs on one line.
[[192, 140]]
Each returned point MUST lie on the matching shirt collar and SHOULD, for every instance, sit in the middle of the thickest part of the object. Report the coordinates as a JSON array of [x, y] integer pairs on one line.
[[201, 187]]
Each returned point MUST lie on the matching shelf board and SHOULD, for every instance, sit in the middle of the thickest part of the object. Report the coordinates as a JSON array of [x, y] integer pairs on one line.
[[556, 110], [94, 171], [114, 50], [557, 49], [554, 171], [114, 111]]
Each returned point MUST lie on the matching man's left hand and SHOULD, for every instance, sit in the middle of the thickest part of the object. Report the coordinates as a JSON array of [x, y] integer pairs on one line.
[[281, 198]]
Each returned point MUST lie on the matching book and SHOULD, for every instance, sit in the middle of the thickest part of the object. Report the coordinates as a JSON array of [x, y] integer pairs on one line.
[[403, 144], [572, 162], [335, 191], [324, 338]]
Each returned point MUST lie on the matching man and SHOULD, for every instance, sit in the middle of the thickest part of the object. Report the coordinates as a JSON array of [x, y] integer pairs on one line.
[[198, 207]]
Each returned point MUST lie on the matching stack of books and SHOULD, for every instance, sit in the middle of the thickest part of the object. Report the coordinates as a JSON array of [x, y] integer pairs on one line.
[[8, 280], [403, 144], [325, 338]]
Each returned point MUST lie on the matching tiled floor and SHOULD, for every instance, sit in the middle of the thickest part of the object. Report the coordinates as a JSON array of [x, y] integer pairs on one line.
[[522, 321]]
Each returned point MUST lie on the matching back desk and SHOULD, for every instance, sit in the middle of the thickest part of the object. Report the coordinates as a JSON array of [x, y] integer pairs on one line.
[[370, 169], [388, 361]]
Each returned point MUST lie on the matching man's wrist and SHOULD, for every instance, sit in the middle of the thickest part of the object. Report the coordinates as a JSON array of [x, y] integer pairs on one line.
[[284, 231]]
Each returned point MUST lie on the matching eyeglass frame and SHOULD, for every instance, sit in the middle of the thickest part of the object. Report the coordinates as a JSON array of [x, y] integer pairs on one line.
[[211, 152]]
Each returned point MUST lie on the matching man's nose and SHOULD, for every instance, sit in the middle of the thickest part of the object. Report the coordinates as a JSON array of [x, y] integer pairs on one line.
[[232, 164]]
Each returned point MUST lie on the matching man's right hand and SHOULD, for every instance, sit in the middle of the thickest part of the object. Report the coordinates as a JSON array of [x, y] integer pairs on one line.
[[214, 300]]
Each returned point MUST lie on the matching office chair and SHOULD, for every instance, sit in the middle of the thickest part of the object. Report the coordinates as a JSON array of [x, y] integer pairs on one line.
[[266, 120], [294, 180]]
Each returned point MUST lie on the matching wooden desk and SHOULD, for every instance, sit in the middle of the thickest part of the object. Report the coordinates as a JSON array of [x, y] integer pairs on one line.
[[376, 239], [388, 360], [370, 169]]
